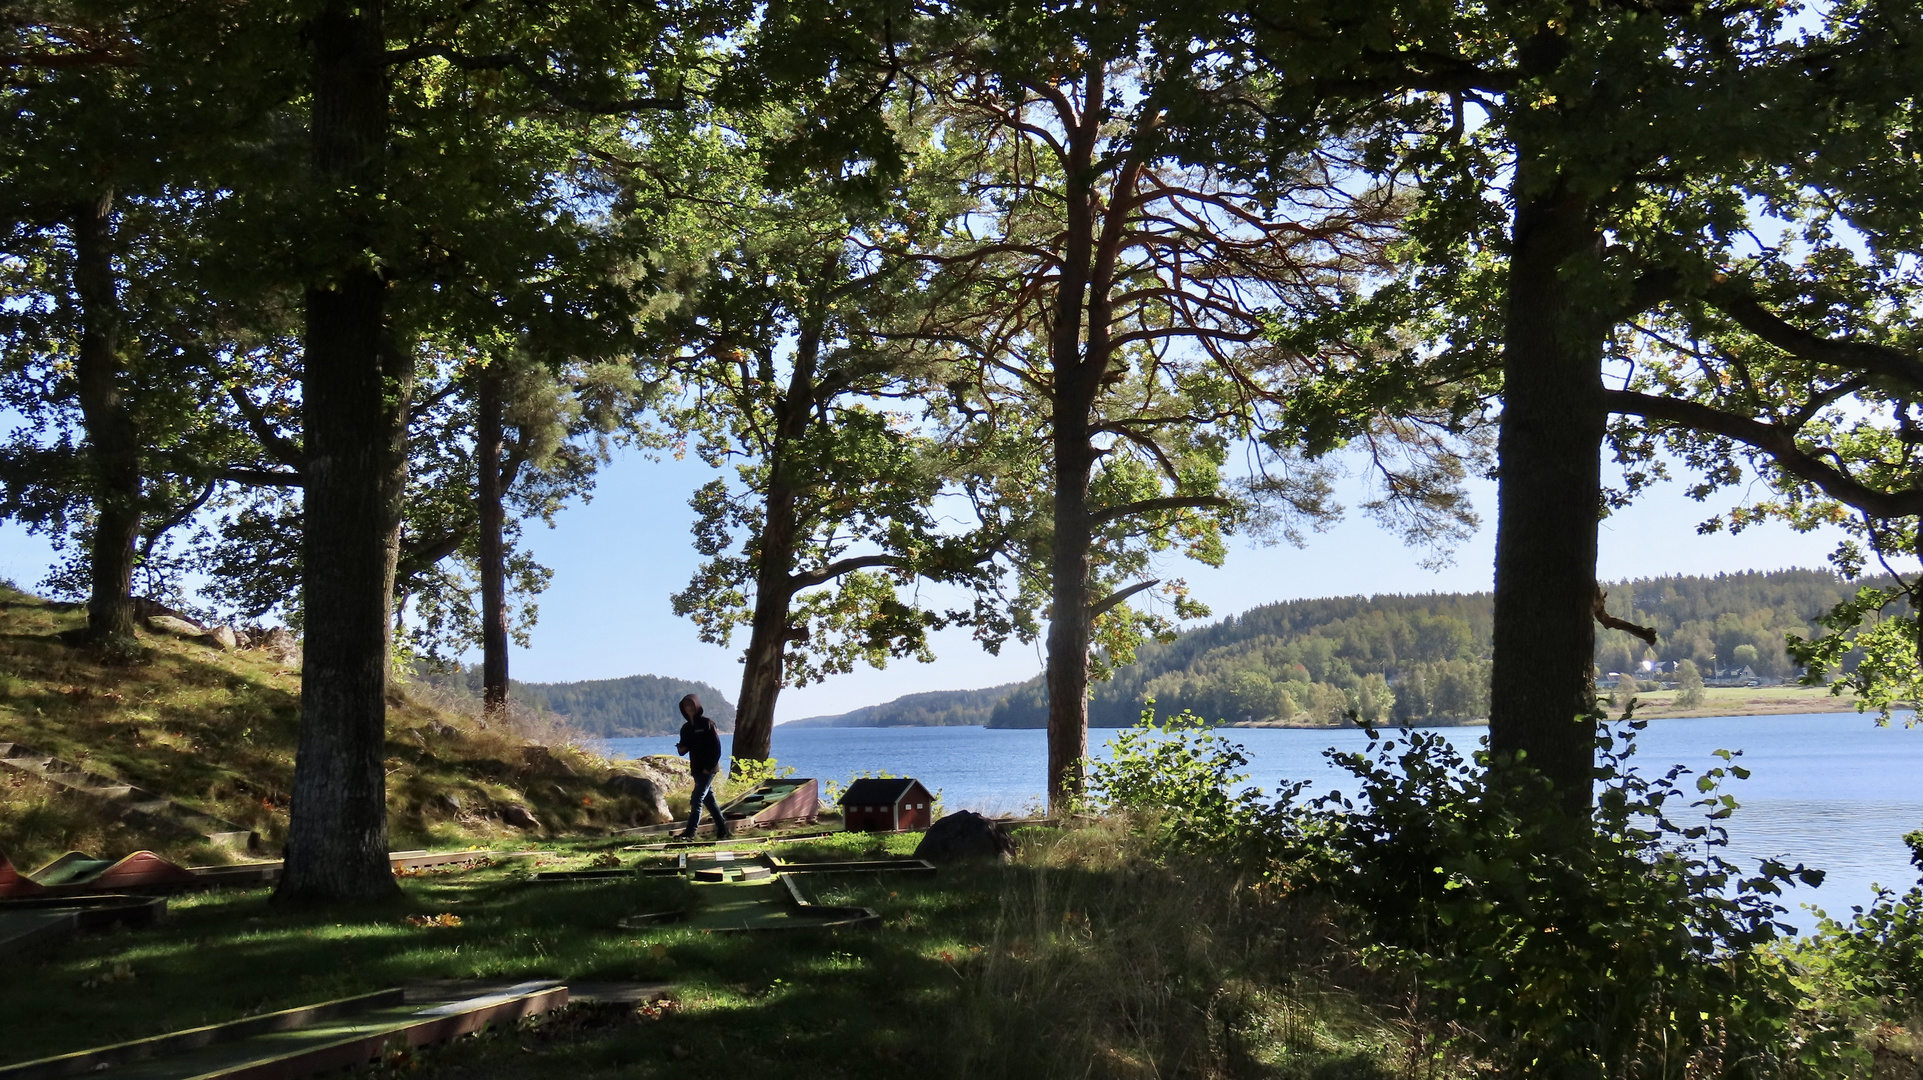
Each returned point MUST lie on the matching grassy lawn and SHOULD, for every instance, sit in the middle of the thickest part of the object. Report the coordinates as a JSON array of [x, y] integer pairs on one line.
[[1074, 960]]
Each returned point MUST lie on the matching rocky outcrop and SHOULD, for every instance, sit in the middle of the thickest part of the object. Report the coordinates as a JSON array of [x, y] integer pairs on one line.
[[519, 817], [965, 835], [642, 789], [170, 624]]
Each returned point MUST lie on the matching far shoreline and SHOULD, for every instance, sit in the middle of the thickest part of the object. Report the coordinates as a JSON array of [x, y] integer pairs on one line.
[[1661, 705], [1718, 701]]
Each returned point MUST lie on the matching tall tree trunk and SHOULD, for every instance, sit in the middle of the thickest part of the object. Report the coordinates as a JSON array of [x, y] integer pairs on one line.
[[1550, 491], [762, 671], [113, 446], [354, 386], [1068, 627], [490, 439]]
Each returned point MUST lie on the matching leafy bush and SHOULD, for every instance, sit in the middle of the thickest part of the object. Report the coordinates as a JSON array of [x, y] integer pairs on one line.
[[1181, 782], [1626, 946], [1872, 966]]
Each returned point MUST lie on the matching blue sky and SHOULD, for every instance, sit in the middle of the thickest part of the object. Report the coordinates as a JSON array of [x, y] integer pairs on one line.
[[618, 558]]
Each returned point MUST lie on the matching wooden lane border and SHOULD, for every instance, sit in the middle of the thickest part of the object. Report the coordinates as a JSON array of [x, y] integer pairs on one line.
[[434, 1023], [415, 860], [266, 873], [431, 1025], [836, 916], [682, 845], [71, 914], [912, 867], [102, 1058]]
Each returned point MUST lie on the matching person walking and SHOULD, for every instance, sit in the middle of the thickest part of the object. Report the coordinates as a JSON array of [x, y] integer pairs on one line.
[[701, 743]]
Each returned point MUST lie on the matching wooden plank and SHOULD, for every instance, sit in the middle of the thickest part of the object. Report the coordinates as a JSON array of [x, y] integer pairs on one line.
[[305, 1045], [430, 1025], [30, 923], [414, 860], [106, 1057], [22, 930], [915, 867]]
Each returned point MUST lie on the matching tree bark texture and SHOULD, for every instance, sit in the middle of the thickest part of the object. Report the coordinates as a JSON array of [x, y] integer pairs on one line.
[[490, 440], [763, 673], [113, 444], [354, 388], [1550, 492], [1069, 625]]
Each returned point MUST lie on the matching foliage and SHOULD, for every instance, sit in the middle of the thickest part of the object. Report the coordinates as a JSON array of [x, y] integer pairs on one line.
[[1182, 783], [1689, 685], [746, 774], [1425, 659], [1624, 947], [817, 540], [1872, 964]]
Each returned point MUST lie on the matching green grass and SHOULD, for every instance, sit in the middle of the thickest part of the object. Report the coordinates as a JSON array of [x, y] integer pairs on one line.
[[1079, 959]]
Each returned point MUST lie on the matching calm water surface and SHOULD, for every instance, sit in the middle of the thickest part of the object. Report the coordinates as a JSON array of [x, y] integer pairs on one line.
[[1827, 789]]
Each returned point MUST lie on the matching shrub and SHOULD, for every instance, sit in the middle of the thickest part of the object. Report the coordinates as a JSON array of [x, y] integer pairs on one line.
[[1626, 946], [1872, 966], [1181, 783]]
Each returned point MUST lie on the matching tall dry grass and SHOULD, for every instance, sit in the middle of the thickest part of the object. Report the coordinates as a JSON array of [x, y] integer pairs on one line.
[[1104, 962]]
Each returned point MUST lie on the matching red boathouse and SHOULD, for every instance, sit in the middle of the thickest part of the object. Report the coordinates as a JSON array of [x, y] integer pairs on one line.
[[886, 806]]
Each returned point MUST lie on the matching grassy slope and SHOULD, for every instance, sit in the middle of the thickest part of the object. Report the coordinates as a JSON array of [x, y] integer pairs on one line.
[[216, 732]]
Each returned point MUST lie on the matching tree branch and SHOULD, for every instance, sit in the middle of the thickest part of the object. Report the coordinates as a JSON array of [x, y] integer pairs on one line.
[[844, 566], [1778, 442], [423, 554], [272, 441], [1867, 357], [1172, 502], [1101, 607], [261, 477], [547, 84]]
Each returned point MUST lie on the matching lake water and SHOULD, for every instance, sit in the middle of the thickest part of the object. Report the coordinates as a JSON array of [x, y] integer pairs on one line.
[[1828, 789]]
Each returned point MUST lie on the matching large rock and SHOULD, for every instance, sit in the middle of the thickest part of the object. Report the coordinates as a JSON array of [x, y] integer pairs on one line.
[[171, 624], [654, 802], [964, 835], [278, 643], [222, 638]]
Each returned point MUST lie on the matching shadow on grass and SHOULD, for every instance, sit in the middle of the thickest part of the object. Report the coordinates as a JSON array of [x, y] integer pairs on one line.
[[985, 971]]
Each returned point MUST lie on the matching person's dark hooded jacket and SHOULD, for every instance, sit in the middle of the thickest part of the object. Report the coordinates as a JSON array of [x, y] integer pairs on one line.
[[700, 739]]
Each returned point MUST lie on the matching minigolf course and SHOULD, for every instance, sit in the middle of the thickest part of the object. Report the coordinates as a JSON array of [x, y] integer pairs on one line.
[[748, 892]]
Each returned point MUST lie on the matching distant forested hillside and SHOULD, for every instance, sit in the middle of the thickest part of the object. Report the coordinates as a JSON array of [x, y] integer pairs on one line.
[[610, 708], [935, 708], [1425, 659]]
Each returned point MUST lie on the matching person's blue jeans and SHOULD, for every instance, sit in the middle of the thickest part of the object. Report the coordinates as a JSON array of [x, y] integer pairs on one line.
[[704, 790]]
